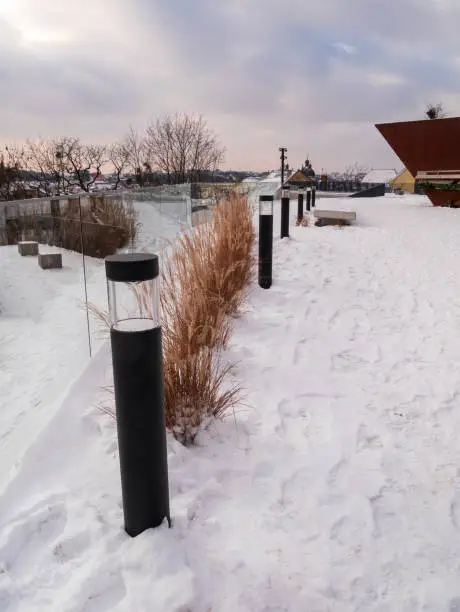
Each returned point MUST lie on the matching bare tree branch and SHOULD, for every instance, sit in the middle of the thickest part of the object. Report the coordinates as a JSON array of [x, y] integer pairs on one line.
[[355, 172], [183, 147], [119, 157], [138, 160]]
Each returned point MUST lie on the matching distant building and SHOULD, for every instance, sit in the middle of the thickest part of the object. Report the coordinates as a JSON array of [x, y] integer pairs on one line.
[[404, 181], [377, 177], [430, 151]]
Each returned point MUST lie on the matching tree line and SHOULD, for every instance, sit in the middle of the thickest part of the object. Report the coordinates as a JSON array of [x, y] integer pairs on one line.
[[181, 147]]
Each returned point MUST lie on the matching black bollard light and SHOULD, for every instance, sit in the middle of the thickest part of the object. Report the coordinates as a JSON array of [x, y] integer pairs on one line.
[[308, 196], [285, 192], [265, 240], [135, 334], [299, 208], [313, 196]]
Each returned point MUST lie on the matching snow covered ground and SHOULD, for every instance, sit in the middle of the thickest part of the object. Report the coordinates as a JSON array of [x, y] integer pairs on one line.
[[336, 488], [44, 341]]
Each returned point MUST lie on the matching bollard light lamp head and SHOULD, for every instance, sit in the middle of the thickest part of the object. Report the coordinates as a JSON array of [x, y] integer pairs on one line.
[[285, 191], [265, 205], [133, 291]]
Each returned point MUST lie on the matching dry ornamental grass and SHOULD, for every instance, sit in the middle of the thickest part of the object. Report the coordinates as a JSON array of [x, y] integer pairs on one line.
[[203, 284]]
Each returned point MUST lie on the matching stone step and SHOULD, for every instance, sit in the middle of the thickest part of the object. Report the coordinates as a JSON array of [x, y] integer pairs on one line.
[[27, 247], [347, 215], [48, 261]]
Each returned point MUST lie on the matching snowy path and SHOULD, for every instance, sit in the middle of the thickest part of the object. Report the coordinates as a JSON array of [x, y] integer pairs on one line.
[[338, 489], [346, 494]]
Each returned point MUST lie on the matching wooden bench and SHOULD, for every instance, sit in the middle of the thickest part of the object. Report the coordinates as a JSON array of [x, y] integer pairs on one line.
[[48, 261], [27, 248], [334, 217]]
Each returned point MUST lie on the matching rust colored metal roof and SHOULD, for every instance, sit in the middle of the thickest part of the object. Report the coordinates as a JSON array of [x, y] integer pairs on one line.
[[429, 144]]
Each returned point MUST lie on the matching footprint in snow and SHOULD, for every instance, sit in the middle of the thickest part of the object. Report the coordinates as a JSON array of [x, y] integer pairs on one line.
[[71, 547], [294, 486], [103, 590], [31, 537], [366, 440], [337, 473], [299, 351], [349, 532]]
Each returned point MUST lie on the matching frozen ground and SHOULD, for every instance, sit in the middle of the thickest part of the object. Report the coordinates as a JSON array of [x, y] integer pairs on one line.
[[335, 489]]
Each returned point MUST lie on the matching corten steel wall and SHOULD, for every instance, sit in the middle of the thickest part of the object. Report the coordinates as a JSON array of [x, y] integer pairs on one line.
[[429, 144]]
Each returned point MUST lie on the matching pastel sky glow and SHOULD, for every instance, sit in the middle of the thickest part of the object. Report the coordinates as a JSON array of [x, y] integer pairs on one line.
[[312, 76]]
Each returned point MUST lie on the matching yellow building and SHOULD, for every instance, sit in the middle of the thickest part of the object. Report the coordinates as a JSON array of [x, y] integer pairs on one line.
[[404, 181]]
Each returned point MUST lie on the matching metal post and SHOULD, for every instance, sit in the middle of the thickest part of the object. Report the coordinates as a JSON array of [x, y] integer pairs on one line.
[[313, 196], [283, 152], [299, 208], [133, 290], [285, 211], [308, 199], [56, 220], [265, 240], [82, 242]]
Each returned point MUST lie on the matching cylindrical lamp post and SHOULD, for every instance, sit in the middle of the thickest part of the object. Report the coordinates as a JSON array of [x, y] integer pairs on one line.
[[313, 196], [308, 195], [285, 192], [265, 240], [135, 334], [299, 208]]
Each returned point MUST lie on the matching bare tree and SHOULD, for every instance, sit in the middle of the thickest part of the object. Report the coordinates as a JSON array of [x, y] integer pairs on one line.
[[42, 161], [138, 161], [355, 172], [83, 163], [11, 184], [119, 157], [435, 111], [183, 147], [57, 166]]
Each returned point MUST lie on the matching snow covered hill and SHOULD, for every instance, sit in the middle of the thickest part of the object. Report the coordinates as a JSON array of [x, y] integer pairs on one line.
[[336, 488]]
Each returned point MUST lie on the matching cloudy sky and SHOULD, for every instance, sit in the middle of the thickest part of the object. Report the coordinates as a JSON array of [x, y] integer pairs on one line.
[[311, 75]]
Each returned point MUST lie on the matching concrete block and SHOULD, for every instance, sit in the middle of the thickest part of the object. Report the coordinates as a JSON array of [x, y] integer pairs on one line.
[[345, 215], [27, 247], [48, 261]]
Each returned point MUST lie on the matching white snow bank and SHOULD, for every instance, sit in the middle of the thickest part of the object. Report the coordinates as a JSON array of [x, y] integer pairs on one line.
[[336, 488]]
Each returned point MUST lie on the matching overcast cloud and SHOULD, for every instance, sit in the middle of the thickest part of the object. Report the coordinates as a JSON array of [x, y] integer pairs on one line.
[[311, 76]]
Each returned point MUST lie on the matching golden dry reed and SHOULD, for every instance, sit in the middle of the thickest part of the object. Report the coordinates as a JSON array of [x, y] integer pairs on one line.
[[203, 284]]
